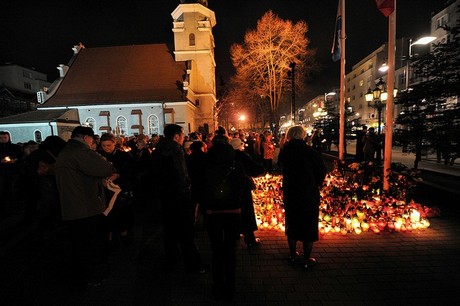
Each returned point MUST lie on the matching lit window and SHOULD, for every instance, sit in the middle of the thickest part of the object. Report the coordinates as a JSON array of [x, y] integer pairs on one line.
[[90, 122], [122, 126], [153, 124], [38, 136]]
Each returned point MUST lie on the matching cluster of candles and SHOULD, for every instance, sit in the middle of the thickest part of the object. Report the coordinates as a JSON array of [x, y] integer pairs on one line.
[[268, 202], [345, 208]]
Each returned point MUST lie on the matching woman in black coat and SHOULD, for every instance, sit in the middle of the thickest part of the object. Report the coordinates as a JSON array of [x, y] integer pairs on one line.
[[251, 168], [303, 176]]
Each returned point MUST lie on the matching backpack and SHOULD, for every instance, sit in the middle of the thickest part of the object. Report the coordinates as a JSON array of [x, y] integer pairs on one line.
[[223, 186]]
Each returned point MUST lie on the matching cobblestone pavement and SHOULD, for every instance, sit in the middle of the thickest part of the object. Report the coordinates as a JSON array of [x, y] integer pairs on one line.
[[413, 268]]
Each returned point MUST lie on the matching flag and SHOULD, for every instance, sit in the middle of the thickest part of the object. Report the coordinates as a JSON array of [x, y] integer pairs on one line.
[[336, 47], [386, 7]]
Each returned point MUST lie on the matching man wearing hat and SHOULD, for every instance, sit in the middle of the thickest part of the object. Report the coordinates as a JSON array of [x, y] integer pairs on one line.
[[79, 175]]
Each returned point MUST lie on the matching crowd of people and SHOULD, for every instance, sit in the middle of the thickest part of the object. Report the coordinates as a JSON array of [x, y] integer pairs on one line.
[[91, 186]]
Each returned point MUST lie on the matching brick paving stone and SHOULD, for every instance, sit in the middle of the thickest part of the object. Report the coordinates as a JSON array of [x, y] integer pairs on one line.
[[420, 267]]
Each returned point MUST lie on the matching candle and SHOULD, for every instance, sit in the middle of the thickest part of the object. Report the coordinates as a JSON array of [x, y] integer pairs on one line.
[[398, 225], [391, 226], [414, 216], [348, 224], [365, 226], [360, 215], [381, 224], [425, 223]]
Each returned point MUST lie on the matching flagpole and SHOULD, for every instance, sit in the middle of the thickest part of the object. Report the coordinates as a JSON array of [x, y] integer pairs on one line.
[[390, 91], [342, 84]]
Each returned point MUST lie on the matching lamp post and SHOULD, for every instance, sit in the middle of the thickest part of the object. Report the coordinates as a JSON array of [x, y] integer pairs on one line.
[[291, 74], [376, 99], [421, 41]]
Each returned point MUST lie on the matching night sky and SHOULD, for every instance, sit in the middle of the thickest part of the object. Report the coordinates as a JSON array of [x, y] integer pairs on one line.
[[41, 34]]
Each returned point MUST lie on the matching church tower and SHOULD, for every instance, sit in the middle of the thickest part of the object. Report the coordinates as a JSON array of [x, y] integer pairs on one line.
[[194, 45]]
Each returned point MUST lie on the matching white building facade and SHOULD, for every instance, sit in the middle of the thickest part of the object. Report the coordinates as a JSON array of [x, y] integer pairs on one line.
[[130, 90]]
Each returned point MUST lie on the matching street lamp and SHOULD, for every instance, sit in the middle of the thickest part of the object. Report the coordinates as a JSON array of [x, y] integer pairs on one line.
[[376, 99], [241, 119], [291, 74], [327, 94], [421, 41]]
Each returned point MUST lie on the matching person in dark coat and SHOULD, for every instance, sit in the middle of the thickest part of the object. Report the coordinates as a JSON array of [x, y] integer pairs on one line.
[[317, 141], [79, 175], [142, 171], [251, 168], [175, 196], [303, 176], [121, 217], [196, 162], [359, 155], [48, 206], [371, 142], [10, 156], [250, 143], [224, 182]]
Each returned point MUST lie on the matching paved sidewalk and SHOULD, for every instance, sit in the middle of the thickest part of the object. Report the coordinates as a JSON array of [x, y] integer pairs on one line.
[[419, 267], [428, 161], [414, 268], [433, 174]]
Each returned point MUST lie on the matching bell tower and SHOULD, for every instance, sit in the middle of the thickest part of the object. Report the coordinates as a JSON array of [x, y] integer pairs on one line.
[[194, 44]]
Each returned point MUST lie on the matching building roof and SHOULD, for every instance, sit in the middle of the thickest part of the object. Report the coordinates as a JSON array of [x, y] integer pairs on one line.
[[37, 117], [123, 74]]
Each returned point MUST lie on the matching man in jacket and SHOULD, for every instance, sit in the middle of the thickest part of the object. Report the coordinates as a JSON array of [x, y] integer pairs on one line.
[[175, 196], [79, 175], [10, 154]]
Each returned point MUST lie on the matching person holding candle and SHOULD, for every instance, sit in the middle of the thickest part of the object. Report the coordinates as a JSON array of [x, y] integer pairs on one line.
[[79, 174], [121, 218], [303, 175]]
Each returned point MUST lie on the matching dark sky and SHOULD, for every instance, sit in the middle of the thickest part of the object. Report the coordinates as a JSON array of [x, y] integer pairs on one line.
[[41, 34]]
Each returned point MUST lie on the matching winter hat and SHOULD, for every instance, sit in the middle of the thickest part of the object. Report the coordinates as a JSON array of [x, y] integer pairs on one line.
[[237, 143]]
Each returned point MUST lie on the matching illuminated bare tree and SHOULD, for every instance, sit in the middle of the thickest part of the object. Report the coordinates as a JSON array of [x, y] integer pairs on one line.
[[262, 60]]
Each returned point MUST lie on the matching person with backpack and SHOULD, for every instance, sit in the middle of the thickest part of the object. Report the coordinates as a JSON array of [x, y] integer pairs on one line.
[[224, 181]]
